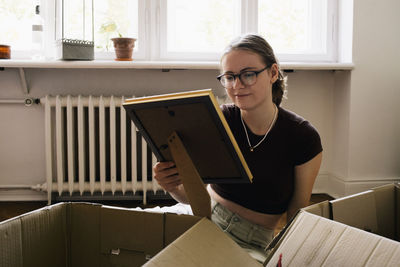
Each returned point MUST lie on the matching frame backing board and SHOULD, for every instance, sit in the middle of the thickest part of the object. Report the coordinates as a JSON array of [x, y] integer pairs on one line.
[[196, 117]]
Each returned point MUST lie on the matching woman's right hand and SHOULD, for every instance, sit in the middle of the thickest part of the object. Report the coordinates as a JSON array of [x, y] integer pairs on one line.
[[166, 175]]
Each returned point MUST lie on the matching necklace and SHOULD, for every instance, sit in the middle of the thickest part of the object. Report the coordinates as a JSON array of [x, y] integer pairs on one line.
[[265, 135]]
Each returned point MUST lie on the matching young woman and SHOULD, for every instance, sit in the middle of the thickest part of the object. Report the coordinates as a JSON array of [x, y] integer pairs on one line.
[[282, 150]]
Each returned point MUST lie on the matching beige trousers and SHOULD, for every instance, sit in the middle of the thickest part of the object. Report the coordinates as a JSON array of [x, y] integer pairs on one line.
[[251, 237]]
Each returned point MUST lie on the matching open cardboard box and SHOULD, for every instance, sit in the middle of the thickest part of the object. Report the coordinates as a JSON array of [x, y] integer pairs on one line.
[[85, 234], [330, 233], [357, 230]]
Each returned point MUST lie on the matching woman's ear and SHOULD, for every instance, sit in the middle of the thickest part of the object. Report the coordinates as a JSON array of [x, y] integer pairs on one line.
[[274, 72]]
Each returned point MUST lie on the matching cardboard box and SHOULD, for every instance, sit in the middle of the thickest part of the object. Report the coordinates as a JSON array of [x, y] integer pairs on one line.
[[330, 233], [84, 234], [358, 230], [376, 210]]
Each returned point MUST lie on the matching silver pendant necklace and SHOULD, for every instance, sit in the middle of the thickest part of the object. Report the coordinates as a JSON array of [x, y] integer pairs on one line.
[[265, 135]]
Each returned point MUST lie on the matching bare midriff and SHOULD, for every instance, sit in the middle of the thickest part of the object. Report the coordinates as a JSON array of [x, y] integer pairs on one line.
[[268, 221]]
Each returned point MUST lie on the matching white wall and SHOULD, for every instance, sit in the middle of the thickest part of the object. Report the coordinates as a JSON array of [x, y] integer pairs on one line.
[[366, 109], [356, 112], [375, 91], [22, 158]]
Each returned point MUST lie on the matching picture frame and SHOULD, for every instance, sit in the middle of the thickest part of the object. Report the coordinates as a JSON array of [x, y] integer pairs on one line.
[[200, 124]]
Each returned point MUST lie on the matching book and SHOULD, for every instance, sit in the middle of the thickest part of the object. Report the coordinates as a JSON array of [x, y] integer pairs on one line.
[[199, 122]]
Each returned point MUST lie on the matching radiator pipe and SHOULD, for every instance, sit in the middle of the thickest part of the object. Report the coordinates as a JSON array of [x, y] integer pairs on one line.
[[65, 187], [27, 101], [14, 187]]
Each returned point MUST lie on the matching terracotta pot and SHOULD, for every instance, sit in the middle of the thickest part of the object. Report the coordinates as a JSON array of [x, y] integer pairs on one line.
[[5, 51], [123, 48]]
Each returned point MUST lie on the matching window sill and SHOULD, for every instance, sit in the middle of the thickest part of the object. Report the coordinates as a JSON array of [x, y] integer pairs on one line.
[[163, 65], [110, 64]]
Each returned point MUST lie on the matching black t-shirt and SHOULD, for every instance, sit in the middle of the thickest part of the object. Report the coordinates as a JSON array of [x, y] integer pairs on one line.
[[292, 141]]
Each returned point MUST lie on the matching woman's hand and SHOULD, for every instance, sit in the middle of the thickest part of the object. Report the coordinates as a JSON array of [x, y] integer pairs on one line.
[[166, 174]]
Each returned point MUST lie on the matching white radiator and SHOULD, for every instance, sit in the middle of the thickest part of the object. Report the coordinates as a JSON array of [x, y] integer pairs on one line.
[[92, 147]]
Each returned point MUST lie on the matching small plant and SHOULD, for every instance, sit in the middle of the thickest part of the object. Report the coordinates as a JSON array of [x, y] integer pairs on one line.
[[107, 30]]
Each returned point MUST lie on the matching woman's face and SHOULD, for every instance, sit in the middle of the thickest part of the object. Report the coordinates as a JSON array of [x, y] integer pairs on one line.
[[255, 96]]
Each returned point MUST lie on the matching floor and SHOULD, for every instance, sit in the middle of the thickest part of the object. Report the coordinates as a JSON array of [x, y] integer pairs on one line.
[[12, 209]]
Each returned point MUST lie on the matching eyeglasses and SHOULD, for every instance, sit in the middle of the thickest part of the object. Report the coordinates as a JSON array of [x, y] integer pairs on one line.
[[247, 78]]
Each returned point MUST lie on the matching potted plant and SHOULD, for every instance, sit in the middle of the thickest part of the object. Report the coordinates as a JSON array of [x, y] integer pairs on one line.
[[106, 30], [123, 47], [5, 51]]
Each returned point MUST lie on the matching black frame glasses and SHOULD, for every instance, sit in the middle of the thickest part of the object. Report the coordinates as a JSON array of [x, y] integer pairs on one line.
[[241, 77]]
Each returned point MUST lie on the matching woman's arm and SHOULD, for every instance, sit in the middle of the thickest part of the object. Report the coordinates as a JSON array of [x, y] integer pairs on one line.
[[179, 194], [305, 175]]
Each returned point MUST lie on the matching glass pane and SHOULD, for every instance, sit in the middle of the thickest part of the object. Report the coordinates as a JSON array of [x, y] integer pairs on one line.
[[16, 19], [293, 26], [201, 26], [114, 18], [78, 20]]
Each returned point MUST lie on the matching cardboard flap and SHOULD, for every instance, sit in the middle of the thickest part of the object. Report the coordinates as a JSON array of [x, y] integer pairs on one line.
[[175, 225], [357, 210], [44, 237], [11, 243], [316, 241], [321, 209], [386, 253], [353, 248], [130, 230], [397, 217], [300, 229], [203, 245], [84, 239], [385, 210], [195, 189]]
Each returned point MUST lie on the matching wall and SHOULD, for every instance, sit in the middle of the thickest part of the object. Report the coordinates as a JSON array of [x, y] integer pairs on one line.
[[22, 157], [366, 111], [375, 91]]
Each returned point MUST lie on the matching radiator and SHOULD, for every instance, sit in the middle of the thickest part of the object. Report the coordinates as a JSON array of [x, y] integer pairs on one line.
[[93, 148]]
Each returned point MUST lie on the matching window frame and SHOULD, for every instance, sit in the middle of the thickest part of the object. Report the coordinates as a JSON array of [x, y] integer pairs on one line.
[[249, 23], [152, 39]]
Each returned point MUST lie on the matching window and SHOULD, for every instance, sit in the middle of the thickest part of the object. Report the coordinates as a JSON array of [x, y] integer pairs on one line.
[[113, 19], [15, 25], [197, 29], [298, 30]]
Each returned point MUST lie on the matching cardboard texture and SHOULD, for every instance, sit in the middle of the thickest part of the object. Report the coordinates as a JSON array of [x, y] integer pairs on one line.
[[376, 210], [358, 211], [203, 245], [82, 234], [350, 231], [10, 244], [195, 189], [317, 241], [175, 225]]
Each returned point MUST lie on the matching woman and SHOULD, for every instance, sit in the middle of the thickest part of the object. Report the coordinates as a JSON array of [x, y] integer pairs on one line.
[[282, 150]]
